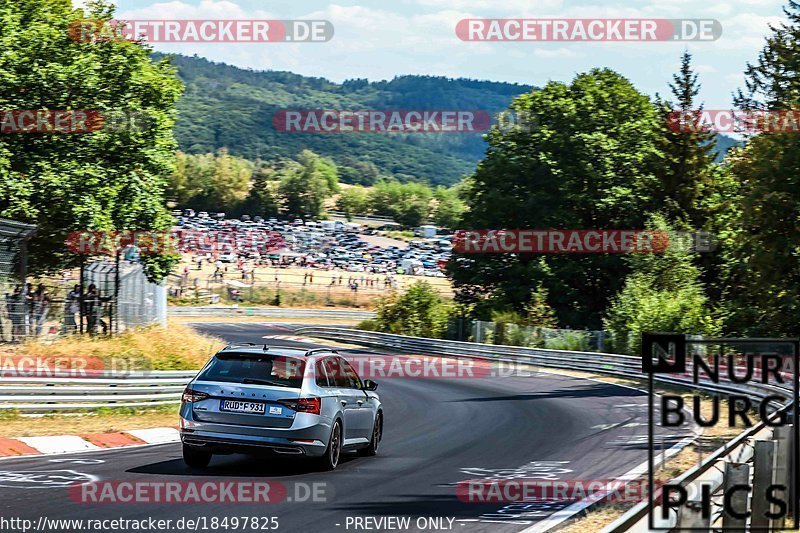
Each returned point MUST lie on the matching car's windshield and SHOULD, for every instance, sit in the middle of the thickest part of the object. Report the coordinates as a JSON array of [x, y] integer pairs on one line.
[[279, 371]]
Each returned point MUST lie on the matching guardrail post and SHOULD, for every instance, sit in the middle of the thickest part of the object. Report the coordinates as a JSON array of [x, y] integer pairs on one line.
[[763, 477], [783, 458], [690, 516], [736, 474]]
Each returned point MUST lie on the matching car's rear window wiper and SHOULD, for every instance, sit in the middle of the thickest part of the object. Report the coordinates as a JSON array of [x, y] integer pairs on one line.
[[251, 381]]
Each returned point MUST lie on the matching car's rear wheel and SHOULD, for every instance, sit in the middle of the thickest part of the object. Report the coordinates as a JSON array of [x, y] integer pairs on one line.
[[196, 457], [377, 435], [330, 460]]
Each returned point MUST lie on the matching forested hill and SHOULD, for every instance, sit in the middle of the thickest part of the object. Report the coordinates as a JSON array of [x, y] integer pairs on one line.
[[228, 106]]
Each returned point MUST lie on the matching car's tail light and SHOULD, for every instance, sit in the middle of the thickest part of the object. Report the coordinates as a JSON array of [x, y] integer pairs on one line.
[[191, 395], [304, 405]]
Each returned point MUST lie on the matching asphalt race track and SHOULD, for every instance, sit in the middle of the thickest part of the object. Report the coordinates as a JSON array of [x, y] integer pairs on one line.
[[437, 432]]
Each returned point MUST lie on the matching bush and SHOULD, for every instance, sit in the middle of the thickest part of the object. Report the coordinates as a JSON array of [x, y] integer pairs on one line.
[[419, 312], [573, 341], [663, 293], [367, 325]]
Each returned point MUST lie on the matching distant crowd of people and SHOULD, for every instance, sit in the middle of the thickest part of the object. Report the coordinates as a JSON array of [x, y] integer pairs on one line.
[[28, 310]]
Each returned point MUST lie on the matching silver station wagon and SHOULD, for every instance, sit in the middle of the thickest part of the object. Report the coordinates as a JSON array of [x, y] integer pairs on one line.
[[263, 399]]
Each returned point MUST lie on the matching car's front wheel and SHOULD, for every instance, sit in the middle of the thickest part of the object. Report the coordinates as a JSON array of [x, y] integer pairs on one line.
[[195, 457], [330, 460]]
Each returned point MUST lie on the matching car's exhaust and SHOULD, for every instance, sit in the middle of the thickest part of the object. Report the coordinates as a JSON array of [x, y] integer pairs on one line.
[[288, 451]]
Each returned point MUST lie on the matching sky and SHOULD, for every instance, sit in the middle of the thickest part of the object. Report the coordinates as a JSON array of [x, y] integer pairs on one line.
[[377, 40]]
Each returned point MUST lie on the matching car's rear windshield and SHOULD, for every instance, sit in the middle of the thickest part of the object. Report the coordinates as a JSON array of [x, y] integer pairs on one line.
[[275, 370]]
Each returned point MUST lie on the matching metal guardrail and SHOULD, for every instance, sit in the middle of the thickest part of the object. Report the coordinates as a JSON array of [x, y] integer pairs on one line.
[[283, 312], [616, 365], [36, 394], [757, 445]]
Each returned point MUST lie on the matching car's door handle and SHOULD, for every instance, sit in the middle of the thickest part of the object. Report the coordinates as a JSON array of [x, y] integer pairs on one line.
[[360, 402], [344, 402]]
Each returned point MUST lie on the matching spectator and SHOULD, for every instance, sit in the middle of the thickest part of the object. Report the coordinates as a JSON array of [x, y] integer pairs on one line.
[[71, 308], [91, 308], [41, 308], [15, 305]]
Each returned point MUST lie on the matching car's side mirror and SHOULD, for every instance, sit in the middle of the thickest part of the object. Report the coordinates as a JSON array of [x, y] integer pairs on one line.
[[370, 385]]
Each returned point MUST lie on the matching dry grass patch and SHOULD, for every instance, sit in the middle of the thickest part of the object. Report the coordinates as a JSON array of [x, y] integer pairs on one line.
[[178, 347]]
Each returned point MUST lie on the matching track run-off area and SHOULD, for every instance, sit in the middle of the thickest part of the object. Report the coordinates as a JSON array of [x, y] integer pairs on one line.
[[437, 433]]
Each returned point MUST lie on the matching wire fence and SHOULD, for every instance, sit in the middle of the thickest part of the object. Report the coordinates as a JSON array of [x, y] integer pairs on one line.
[[103, 303], [484, 332]]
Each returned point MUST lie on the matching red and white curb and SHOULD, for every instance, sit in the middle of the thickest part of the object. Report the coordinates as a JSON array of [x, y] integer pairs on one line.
[[58, 444]]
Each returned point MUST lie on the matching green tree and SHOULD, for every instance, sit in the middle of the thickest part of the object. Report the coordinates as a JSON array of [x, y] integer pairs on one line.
[[351, 201], [762, 242], [111, 179], [419, 312], [218, 182], [538, 312], [263, 198], [306, 185], [449, 207], [688, 168], [408, 203], [231, 179], [588, 164], [663, 293], [359, 172], [762, 247]]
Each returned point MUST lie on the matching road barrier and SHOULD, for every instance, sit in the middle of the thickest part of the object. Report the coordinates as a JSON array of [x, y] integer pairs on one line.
[[759, 457], [616, 365], [269, 312], [106, 389]]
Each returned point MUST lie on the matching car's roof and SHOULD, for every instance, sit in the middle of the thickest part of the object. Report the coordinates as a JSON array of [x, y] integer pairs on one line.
[[250, 349]]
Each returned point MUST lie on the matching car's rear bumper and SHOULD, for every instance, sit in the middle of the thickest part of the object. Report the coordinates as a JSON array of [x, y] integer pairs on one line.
[[305, 440], [229, 444]]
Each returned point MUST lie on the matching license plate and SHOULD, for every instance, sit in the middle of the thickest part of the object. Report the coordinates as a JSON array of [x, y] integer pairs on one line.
[[236, 406]]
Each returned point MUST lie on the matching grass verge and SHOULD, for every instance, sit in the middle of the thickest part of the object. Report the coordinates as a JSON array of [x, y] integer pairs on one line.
[[99, 421], [178, 347]]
